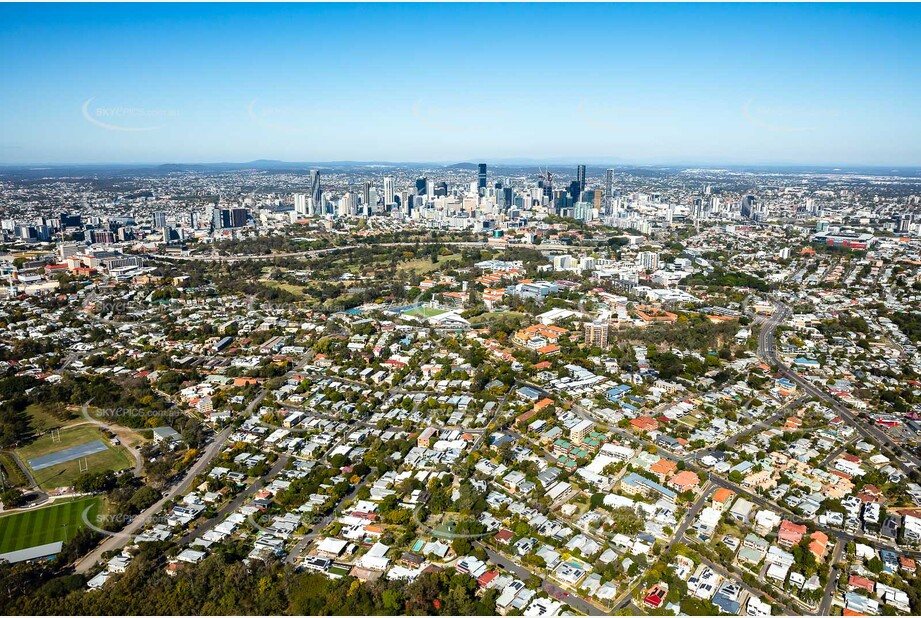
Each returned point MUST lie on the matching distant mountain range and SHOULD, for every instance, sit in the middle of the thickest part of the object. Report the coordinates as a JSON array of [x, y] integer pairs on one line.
[[270, 165]]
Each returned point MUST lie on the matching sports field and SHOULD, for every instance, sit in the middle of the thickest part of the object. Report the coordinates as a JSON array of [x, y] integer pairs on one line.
[[425, 265], [58, 522], [68, 454], [49, 448], [424, 312]]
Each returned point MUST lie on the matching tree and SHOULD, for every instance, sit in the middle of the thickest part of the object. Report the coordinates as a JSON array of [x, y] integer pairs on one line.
[[461, 546], [875, 565], [12, 498]]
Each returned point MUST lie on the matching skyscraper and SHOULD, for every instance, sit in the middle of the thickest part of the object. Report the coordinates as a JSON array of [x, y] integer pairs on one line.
[[316, 193], [749, 206], [366, 193], [609, 192], [421, 185], [388, 190], [580, 177], [546, 183], [481, 180], [574, 191], [301, 204], [225, 218]]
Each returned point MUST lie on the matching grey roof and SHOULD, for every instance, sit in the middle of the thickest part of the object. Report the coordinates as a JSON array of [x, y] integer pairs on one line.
[[166, 433], [32, 553]]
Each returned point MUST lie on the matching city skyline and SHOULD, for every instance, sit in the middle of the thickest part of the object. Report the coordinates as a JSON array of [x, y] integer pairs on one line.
[[646, 85]]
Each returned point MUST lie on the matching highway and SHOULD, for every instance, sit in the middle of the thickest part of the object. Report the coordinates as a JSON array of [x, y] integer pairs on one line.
[[899, 456], [211, 257]]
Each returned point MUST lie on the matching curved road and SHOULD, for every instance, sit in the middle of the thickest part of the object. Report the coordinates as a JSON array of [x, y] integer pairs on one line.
[[125, 535], [138, 458]]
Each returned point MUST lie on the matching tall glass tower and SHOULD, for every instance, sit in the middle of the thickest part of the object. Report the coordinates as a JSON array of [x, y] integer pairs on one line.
[[315, 191], [609, 192]]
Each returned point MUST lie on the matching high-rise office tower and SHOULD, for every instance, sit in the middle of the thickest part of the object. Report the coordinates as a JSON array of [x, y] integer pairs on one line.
[[347, 204], [225, 218], [749, 208], [159, 219], [406, 202], [421, 185], [70, 220], [574, 191], [609, 192], [546, 183], [580, 177], [366, 194], [481, 180], [388, 190], [316, 193], [372, 202], [301, 204], [697, 209]]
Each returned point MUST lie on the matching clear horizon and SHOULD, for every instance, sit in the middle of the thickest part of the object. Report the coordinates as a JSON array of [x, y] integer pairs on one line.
[[712, 165], [711, 85]]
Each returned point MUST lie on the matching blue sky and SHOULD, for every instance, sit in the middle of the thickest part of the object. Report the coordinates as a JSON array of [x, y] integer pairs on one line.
[[618, 83]]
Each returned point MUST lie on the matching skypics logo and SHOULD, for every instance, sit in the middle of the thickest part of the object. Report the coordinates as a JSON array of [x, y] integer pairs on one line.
[[126, 119], [106, 415], [101, 521]]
